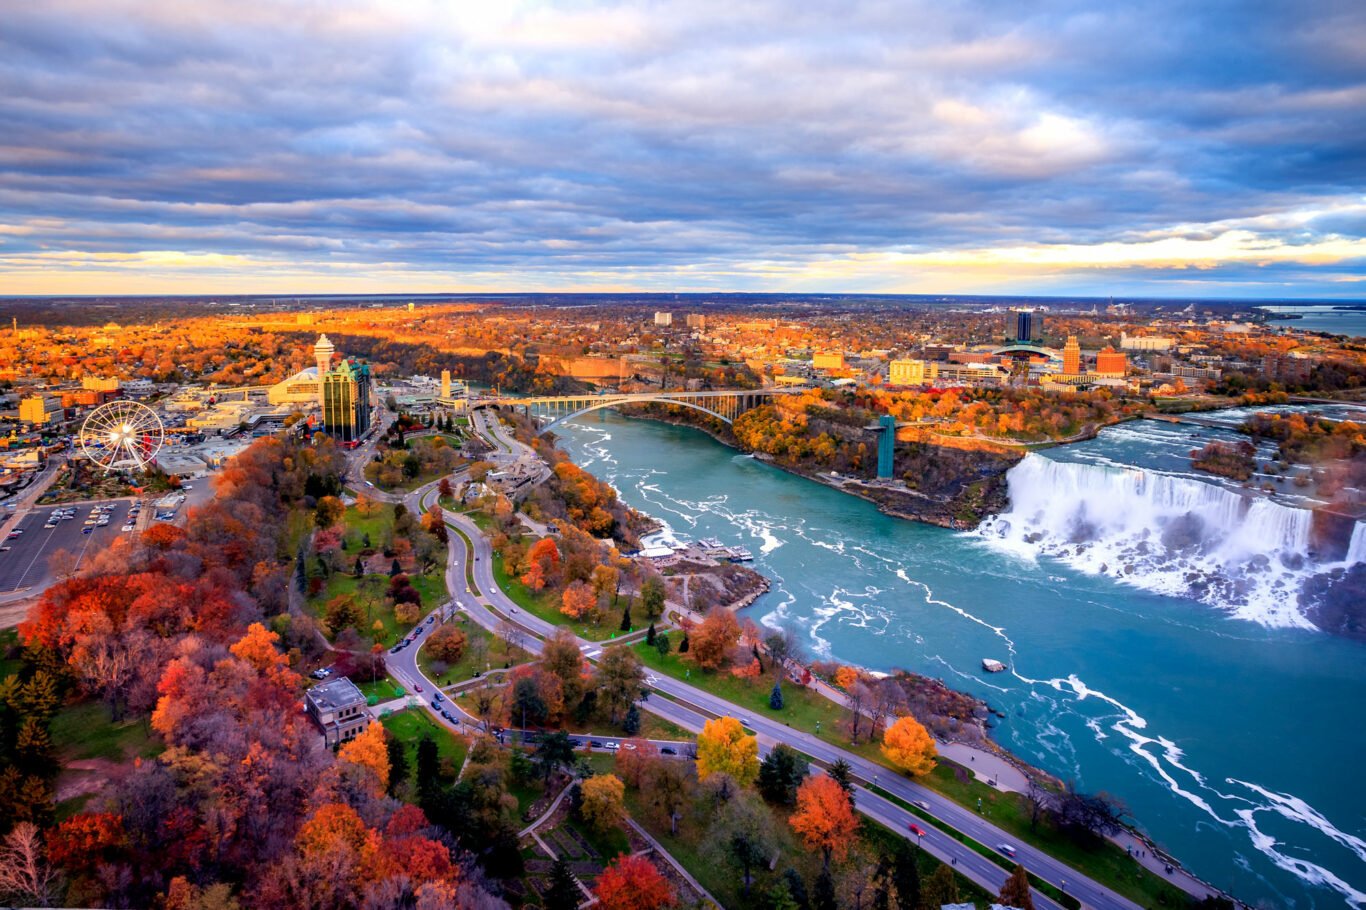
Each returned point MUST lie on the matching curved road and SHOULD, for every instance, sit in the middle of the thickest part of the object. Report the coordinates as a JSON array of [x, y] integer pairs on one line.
[[690, 707]]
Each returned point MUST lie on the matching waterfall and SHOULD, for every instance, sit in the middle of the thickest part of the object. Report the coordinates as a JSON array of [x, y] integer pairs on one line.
[[1171, 535], [1356, 550]]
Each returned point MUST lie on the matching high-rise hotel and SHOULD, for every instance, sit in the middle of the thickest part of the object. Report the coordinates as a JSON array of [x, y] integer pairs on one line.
[[345, 391]]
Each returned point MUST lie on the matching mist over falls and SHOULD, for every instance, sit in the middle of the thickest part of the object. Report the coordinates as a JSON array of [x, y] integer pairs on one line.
[[1167, 534]]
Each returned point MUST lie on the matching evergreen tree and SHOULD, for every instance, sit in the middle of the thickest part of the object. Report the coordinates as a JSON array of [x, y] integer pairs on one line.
[[300, 573], [632, 722], [906, 875], [941, 889], [662, 643], [796, 886], [398, 762], [395, 569], [650, 634], [824, 897], [360, 568], [428, 764], [683, 645], [365, 541], [781, 773], [775, 698], [1015, 891], [563, 893], [626, 618], [844, 776], [778, 897]]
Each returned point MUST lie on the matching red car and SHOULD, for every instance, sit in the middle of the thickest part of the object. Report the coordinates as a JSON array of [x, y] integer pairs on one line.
[[917, 830], [417, 688]]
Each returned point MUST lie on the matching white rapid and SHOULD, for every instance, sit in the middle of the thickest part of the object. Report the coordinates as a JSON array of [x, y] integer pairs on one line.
[[1171, 535], [1356, 550]]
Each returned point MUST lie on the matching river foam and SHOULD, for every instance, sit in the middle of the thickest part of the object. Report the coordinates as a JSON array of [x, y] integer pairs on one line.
[[1171, 535]]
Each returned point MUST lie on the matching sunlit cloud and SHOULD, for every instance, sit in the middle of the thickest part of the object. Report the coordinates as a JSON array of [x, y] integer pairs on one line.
[[224, 146]]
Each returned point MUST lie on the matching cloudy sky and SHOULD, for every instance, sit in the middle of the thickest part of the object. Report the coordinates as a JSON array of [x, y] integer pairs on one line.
[[215, 146]]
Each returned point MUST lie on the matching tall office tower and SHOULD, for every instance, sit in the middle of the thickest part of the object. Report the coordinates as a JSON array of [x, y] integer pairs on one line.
[[1024, 325], [445, 383], [1071, 356]]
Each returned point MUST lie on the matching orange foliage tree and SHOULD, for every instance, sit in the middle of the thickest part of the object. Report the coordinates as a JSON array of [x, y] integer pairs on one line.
[[632, 883], [824, 817], [578, 600], [909, 746], [710, 641], [367, 750]]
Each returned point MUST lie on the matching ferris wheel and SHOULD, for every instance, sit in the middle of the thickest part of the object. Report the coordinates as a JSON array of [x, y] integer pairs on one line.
[[122, 434]]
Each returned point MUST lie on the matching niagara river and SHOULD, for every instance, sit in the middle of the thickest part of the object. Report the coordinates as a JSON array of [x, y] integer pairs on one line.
[[1226, 723]]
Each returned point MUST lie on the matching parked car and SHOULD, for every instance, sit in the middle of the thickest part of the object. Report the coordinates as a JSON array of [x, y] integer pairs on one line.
[[667, 750]]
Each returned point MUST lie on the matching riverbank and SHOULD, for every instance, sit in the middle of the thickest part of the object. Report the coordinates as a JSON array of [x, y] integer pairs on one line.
[[965, 479]]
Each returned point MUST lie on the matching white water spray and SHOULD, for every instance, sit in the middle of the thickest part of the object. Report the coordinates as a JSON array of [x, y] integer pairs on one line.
[[1170, 535]]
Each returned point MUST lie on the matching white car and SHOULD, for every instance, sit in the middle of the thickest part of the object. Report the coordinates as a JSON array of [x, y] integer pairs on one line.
[[1007, 849]]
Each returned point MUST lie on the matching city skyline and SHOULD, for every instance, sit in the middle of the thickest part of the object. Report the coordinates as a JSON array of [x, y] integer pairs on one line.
[[229, 149]]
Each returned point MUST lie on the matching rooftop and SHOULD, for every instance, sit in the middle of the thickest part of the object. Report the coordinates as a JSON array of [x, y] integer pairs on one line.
[[334, 694]]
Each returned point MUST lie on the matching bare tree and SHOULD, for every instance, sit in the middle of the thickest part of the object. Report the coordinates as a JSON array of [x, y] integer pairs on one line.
[[512, 635], [859, 696], [1039, 799], [889, 700], [62, 563], [25, 876]]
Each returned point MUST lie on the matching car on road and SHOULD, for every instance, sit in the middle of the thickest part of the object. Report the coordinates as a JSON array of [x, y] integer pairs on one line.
[[395, 649], [612, 747], [5, 549], [596, 744], [436, 698], [921, 804], [417, 688], [916, 829], [1007, 849], [15, 534], [129, 528], [629, 747], [90, 529], [431, 619]]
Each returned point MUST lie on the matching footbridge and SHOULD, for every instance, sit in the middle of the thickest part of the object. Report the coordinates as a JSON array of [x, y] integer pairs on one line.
[[552, 410]]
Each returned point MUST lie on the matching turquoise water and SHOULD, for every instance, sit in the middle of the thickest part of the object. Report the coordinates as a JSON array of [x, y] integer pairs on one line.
[[1232, 742]]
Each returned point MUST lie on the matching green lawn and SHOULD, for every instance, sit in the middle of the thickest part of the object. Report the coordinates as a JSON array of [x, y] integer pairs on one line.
[[84, 731], [383, 690], [430, 585], [412, 724]]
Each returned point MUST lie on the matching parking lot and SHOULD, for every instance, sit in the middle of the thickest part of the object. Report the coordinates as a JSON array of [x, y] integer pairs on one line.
[[24, 559]]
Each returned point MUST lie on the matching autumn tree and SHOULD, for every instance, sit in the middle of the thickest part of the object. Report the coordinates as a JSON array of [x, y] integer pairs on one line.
[[711, 640], [368, 750], [668, 786], [634, 761], [824, 818], [1015, 890], [652, 596], [603, 799], [742, 836], [724, 747], [328, 512], [447, 643], [909, 746], [632, 883], [543, 562], [561, 656], [619, 679], [578, 600]]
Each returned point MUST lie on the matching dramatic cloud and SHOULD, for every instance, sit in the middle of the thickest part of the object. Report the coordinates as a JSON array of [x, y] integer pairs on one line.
[[330, 146]]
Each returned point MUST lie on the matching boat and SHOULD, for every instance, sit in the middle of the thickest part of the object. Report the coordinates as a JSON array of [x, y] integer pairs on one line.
[[992, 666]]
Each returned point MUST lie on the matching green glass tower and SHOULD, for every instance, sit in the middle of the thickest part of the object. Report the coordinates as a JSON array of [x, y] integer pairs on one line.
[[346, 401]]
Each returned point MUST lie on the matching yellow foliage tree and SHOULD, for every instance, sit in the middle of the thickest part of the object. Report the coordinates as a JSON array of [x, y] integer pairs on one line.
[[368, 751], [845, 677], [909, 746], [604, 796], [724, 747]]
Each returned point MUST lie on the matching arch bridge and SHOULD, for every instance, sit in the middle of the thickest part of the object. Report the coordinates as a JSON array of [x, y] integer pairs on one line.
[[552, 410]]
